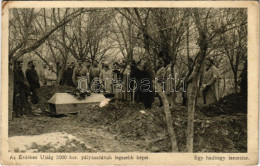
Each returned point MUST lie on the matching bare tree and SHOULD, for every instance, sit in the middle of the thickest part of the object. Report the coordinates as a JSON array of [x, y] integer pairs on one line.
[[208, 31], [234, 43]]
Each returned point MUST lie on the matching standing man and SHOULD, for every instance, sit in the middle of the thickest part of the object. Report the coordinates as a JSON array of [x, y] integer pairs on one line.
[[68, 73], [88, 64], [106, 77], [33, 80], [20, 90], [160, 78], [126, 70], [146, 87], [210, 82], [50, 75], [116, 82], [169, 84], [134, 74], [78, 72], [94, 77], [43, 81]]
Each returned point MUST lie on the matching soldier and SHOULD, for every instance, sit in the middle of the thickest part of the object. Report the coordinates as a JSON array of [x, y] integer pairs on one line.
[[20, 90], [88, 64], [125, 70], [79, 72], [117, 82], [168, 75], [160, 77], [171, 77], [43, 81], [210, 82], [94, 77], [106, 77], [169, 83], [68, 73], [50, 75], [134, 85], [146, 87], [33, 80]]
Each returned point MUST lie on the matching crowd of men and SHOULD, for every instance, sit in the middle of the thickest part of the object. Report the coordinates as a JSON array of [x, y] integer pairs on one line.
[[110, 79], [25, 88]]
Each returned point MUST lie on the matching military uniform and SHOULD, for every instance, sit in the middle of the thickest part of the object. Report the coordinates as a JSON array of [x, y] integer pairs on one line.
[[94, 78], [33, 80], [20, 92], [80, 72], [50, 77], [211, 94], [106, 77], [68, 73]]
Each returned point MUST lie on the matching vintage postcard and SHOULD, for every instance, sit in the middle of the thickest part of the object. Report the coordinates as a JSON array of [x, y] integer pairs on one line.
[[136, 83]]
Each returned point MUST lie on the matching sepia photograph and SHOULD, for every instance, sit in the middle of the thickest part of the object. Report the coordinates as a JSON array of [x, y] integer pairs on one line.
[[128, 79]]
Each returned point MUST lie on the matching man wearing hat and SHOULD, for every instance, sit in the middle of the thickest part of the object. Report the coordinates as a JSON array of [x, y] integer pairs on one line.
[[106, 77], [116, 81], [20, 90], [68, 74], [33, 80], [125, 71], [88, 68], [210, 82], [94, 77], [79, 72], [43, 81], [50, 75]]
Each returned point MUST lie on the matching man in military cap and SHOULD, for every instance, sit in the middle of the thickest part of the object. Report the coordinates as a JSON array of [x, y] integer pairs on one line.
[[95, 77], [33, 80], [20, 90], [50, 75], [210, 82], [42, 78], [88, 67], [106, 77], [79, 72], [68, 73], [125, 71]]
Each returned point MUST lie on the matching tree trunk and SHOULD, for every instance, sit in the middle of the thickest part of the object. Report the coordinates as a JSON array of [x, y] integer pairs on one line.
[[168, 119], [192, 94]]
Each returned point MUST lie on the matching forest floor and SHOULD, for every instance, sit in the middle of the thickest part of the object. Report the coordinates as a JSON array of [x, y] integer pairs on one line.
[[221, 127]]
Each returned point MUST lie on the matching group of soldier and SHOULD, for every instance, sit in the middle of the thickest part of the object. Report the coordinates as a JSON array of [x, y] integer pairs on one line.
[[110, 79], [117, 80]]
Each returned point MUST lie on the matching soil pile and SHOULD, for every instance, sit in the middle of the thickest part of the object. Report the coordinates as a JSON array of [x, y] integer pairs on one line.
[[213, 132], [107, 115], [146, 129], [230, 104]]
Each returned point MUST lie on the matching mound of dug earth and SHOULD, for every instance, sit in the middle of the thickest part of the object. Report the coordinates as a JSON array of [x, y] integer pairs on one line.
[[212, 132], [230, 104]]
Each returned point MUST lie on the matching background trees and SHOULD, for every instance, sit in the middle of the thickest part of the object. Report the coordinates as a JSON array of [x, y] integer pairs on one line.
[[64, 35]]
